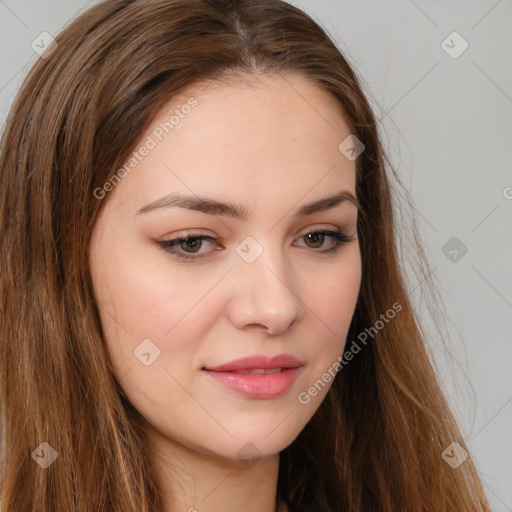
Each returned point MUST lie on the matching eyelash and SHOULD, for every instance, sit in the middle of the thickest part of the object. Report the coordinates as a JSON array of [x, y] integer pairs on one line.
[[339, 237]]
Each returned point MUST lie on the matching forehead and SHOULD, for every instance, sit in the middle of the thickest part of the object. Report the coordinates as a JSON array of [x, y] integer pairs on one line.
[[267, 115], [271, 136], [259, 103]]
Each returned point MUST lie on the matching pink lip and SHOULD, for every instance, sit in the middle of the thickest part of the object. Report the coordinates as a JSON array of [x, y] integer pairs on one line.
[[257, 385], [254, 362]]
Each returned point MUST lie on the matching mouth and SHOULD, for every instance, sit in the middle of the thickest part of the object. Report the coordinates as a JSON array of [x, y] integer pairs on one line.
[[256, 383], [257, 377]]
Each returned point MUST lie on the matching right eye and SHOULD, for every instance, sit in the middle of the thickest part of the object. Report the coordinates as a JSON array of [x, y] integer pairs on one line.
[[191, 241]]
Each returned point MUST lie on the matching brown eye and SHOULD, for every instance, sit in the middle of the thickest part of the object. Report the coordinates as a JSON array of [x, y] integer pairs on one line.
[[315, 238], [189, 247], [184, 246], [192, 243]]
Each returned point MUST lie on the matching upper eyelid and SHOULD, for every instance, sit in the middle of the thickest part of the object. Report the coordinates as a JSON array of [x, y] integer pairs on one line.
[[195, 232]]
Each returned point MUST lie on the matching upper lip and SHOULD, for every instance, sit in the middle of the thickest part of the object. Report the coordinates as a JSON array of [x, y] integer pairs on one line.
[[257, 362]]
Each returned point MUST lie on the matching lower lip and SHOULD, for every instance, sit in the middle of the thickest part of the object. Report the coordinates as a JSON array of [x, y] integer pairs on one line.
[[256, 385]]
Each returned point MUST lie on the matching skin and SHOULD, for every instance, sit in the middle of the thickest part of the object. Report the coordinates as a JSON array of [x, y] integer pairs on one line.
[[271, 147]]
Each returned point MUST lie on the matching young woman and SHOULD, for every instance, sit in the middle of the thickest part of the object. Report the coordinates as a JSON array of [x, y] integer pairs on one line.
[[203, 306]]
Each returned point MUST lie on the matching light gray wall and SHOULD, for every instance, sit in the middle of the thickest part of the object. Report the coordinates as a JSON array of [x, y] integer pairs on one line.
[[447, 124]]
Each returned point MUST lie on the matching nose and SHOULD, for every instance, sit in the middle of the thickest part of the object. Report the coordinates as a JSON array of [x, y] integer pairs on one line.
[[264, 298]]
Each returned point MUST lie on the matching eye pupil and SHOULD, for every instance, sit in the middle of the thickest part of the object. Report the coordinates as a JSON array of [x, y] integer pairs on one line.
[[192, 242], [316, 236]]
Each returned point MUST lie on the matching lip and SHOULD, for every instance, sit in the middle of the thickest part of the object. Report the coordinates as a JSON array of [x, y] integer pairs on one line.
[[259, 385], [258, 361]]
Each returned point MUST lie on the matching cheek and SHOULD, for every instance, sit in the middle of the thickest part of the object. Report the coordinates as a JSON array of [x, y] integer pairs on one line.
[[144, 298], [332, 304], [147, 310], [334, 297], [145, 294]]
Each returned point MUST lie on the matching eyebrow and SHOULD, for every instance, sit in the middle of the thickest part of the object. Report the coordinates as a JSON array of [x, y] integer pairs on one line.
[[237, 211]]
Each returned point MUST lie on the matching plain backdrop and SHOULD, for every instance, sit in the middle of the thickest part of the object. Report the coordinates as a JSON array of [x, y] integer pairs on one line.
[[444, 102]]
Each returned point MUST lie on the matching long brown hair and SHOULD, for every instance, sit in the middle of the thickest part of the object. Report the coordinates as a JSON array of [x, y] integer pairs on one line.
[[376, 441]]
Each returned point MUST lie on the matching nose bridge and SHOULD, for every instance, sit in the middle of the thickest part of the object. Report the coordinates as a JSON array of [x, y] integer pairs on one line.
[[265, 293], [264, 262]]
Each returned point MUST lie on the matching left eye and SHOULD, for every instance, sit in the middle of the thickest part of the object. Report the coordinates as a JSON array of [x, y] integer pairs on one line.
[[194, 243]]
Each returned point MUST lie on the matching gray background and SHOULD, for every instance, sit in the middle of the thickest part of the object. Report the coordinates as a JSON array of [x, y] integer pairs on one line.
[[447, 125]]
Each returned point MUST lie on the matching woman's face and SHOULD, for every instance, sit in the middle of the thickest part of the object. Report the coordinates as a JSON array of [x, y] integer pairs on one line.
[[255, 285]]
